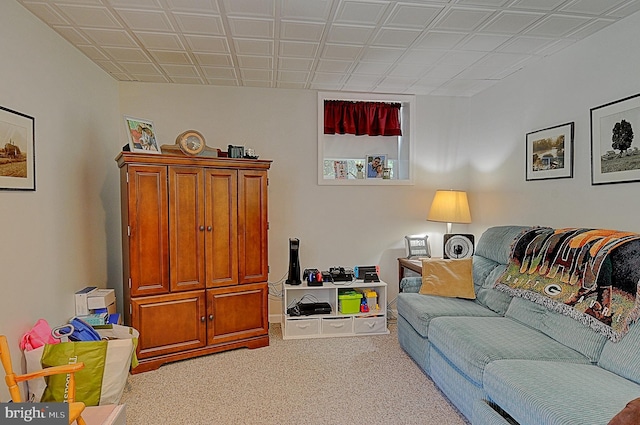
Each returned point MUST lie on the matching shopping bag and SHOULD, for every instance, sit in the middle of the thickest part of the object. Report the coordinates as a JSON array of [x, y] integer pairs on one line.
[[104, 376]]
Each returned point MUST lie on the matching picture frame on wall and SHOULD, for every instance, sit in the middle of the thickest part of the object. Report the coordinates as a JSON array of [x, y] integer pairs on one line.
[[375, 165], [17, 151], [615, 143], [550, 153], [141, 135]]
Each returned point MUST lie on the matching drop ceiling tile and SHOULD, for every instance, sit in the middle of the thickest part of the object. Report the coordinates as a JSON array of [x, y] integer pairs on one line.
[[218, 72], [483, 42], [407, 70], [382, 54], [301, 31], [463, 19], [45, 12], [205, 6], [90, 16], [72, 35], [547, 5], [423, 56], [157, 40], [395, 37], [440, 39], [261, 8], [180, 70], [325, 65], [135, 68], [252, 83], [590, 7], [490, 3], [527, 45], [109, 66], [199, 23], [511, 22], [293, 76], [317, 10], [503, 60], [414, 16], [297, 49], [222, 82], [462, 59], [328, 78], [151, 4], [256, 74], [290, 85], [255, 61], [93, 53], [556, 46], [360, 12], [295, 64], [153, 78], [625, 10], [113, 38], [371, 68], [186, 80], [251, 28], [362, 80], [349, 34], [213, 59], [169, 57], [253, 47], [590, 28], [126, 55], [444, 71], [150, 20], [557, 25], [341, 51], [206, 44]]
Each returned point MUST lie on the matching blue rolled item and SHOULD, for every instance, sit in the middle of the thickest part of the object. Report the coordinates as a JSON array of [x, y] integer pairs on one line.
[[83, 331]]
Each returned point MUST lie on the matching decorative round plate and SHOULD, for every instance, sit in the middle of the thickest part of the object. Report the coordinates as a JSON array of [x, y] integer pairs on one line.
[[458, 246], [191, 142]]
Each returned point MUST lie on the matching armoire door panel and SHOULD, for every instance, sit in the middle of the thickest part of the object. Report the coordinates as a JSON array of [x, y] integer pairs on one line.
[[148, 230], [221, 227], [187, 228], [169, 323], [252, 226]]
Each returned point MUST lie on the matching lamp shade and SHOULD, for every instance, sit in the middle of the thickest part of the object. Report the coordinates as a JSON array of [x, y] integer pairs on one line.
[[450, 206]]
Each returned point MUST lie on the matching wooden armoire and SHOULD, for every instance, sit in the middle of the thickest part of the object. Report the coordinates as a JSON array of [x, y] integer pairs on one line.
[[195, 254]]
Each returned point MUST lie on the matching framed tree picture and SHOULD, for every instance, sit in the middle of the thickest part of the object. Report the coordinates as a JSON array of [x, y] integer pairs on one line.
[[550, 153], [615, 153], [17, 151]]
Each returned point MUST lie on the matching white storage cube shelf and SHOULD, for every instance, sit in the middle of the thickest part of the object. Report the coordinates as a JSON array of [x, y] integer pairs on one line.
[[335, 324]]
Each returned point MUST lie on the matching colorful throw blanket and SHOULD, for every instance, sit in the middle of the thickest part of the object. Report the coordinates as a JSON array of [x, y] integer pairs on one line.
[[591, 275]]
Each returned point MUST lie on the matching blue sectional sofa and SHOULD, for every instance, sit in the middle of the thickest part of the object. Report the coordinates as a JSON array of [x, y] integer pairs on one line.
[[508, 360]]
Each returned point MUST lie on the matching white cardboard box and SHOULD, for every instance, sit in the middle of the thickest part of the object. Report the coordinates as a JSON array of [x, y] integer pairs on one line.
[[101, 298], [81, 300]]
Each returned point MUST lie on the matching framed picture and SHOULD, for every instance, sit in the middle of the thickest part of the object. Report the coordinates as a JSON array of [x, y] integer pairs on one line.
[[615, 157], [142, 136], [17, 151], [375, 165], [550, 153]]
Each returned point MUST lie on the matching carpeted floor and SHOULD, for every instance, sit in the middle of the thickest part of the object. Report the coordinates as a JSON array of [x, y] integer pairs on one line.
[[359, 380]]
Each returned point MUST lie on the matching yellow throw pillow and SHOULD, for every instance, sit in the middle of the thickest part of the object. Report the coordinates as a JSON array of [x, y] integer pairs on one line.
[[447, 278]]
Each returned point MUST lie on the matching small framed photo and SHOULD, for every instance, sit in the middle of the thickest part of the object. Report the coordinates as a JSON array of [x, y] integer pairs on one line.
[[615, 157], [17, 151], [375, 165], [550, 153], [142, 135]]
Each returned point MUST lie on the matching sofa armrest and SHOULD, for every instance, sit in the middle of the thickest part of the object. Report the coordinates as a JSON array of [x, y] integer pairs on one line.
[[411, 284]]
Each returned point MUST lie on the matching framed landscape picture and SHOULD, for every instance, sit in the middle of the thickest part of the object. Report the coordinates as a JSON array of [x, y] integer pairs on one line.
[[550, 153], [142, 135], [17, 151], [615, 154]]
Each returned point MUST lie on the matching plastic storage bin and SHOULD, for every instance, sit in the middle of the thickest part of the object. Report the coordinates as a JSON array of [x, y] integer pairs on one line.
[[349, 302]]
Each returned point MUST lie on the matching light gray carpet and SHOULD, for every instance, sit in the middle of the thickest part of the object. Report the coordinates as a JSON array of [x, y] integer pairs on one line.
[[359, 380]]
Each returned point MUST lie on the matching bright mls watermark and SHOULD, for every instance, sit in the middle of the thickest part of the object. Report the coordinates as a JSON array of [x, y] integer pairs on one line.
[[34, 413]]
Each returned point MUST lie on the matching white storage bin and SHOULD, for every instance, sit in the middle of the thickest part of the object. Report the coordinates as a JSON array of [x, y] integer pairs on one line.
[[300, 327], [364, 325], [339, 325]]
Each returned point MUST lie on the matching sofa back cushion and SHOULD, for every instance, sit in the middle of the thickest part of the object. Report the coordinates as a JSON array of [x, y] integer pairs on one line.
[[489, 262], [622, 357], [562, 328]]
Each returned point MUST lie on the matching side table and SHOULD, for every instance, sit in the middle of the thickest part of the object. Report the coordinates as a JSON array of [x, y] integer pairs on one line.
[[413, 265]]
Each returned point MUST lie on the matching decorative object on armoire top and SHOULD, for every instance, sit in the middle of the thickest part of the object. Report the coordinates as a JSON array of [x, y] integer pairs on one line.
[[190, 143], [141, 135]]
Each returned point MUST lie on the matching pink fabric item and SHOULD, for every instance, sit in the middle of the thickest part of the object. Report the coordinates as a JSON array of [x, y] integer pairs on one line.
[[38, 336]]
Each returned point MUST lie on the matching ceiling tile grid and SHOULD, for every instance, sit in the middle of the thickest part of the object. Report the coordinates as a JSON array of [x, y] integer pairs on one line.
[[423, 47]]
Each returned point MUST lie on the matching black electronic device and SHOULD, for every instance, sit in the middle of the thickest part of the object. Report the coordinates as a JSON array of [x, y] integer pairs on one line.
[[371, 277], [361, 271], [308, 309], [294, 262], [313, 277], [458, 246], [340, 274], [326, 277]]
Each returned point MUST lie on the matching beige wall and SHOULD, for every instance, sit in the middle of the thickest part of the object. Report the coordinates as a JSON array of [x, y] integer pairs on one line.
[[64, 235]]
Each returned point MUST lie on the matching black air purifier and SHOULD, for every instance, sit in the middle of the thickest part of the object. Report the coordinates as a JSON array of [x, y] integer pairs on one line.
[[294, 262]]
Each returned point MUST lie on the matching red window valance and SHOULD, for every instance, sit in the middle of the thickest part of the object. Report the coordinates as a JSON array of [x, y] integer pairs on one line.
[[360, 118]]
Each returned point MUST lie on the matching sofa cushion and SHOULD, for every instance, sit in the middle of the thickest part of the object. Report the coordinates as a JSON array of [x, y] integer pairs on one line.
[[495, 242], [559, 327], [447, 278], [470, 343], [419, 309], [497, 301], [554, 393], [623, 357]]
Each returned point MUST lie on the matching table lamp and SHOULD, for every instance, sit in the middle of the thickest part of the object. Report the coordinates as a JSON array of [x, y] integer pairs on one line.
[[450, 206]]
